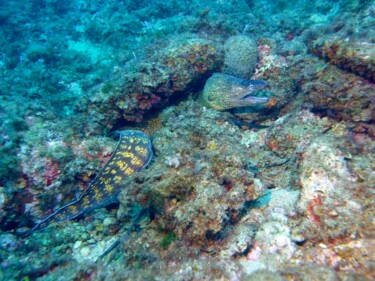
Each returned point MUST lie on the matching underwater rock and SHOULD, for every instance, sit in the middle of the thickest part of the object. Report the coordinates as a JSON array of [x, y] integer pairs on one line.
[[308, 82], [171, 71], [272, 237], [207, 213], [264, 275], [239, 241], [335, 203], [8, 242], [273, 214], [340, 95], [3, 203], [197, 198], [310, 272], [292, 133], [275, 151], [223, 92], [241, 56], [329, 194], [356, 57]]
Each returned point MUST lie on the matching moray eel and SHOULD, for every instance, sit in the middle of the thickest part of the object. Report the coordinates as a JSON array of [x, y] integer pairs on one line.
[[132, 154], [223, 92]]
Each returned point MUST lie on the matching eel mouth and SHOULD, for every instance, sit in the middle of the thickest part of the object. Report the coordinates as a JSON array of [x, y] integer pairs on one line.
[[256, 94], [253, 100]]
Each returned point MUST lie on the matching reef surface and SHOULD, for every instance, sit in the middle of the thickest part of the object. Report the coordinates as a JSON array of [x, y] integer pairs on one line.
[[278, 191]]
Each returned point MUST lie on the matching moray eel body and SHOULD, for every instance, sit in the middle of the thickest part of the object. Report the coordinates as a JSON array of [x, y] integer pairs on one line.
[[223, 92], [132, 154]]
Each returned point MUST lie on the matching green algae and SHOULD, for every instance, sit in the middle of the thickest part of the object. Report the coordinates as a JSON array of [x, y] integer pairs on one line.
[[107, 87], [168, 238]]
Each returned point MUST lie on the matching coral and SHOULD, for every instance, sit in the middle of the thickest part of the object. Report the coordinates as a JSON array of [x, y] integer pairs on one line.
[[241, 56]]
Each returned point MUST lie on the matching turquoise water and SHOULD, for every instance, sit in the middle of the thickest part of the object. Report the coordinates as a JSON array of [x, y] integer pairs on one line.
[[245, 179]]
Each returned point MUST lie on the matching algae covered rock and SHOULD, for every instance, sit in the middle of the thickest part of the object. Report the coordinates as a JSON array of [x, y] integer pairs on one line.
[[335, 201], [341, 95], [356, 57], [329, 194], [172, 70], [199, 181]]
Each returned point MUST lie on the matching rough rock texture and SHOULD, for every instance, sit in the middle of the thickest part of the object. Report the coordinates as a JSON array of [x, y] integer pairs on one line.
[[315, 226], [335, 200], [356, 57], [241, 56], [222, 201], [341, 95], [275, 152], [56, 168], [306, 82], [278, 203], [200, 181], [180, 66], [348, 46]]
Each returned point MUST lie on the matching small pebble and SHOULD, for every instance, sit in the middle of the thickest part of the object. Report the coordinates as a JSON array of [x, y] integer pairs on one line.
[[22, 230], [99, 227], [84, 236], [108, 221], [85, 251], [77, 244], [8, 242]]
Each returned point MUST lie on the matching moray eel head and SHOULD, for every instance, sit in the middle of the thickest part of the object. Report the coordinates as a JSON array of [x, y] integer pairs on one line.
[[223, 92]]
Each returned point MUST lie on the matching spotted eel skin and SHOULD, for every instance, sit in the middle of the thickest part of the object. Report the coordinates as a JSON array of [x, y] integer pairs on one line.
[[224, 92], [132, 154]]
